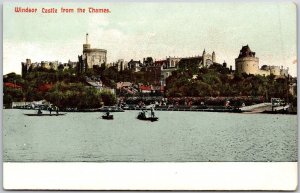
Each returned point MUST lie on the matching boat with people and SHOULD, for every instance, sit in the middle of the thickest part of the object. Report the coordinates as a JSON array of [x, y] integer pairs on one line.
[[40, 113], [107, 116], [145, 117]]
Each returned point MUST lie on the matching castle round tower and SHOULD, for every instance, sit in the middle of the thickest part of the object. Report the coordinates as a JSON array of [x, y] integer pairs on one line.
[[93, 56], [247, 62]]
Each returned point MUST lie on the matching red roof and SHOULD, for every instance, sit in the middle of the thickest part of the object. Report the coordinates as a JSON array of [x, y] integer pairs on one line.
[[45, 87], [143, 87], [11, 85]]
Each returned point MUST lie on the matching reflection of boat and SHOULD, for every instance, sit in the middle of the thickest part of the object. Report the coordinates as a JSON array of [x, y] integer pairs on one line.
[[142, 116], [109, 117], [45, 114], [111, 109]]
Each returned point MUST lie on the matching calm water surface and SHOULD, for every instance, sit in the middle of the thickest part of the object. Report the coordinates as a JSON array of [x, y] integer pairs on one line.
[[177, 136]]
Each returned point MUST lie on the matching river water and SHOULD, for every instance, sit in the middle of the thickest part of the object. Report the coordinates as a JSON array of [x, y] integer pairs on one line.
[[176, 137]]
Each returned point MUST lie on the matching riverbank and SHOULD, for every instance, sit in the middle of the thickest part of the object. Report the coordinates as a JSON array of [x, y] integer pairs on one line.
[[265, 108]]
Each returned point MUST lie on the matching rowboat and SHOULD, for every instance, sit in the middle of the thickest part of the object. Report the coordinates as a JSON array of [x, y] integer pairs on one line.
[[109, 117], [143, 117]]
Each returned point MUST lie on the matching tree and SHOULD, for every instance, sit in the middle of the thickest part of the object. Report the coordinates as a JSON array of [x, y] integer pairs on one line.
[[108, 98]]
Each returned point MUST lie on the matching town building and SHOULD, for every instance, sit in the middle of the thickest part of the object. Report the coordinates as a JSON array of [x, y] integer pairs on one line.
[[134, 65], [120, 65], [248, 63]]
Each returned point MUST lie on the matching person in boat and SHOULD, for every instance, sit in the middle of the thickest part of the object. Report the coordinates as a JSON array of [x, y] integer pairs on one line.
[[152, 112], [144, 114], [107, 113], [40, 112]]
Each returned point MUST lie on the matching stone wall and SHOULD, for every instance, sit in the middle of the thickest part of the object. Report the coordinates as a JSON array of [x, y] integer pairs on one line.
[[249, 65], [275, 70], [94, 57]]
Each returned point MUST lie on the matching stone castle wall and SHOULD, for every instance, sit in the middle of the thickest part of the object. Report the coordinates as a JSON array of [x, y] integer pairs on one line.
[[249, 65], [275, 70], [93, 56]]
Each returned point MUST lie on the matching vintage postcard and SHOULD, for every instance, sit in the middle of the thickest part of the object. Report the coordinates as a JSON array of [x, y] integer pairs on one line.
[[150, 96]]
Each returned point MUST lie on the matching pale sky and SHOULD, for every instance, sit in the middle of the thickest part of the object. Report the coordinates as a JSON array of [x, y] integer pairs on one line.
[[138, 30]]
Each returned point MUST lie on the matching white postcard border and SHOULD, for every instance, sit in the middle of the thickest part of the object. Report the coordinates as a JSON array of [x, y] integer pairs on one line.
[[151, 176]]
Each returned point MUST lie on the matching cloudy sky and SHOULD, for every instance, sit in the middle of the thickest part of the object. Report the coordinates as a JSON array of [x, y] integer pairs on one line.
[[138, 30]]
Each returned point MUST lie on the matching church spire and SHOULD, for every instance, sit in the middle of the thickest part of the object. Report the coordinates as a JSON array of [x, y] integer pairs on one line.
[[213, 56]]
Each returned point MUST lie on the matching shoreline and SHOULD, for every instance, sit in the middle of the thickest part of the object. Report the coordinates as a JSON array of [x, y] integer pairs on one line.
[[224, 110]]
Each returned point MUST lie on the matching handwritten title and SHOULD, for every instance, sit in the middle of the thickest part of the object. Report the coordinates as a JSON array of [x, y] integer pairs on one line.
[[61, 10]]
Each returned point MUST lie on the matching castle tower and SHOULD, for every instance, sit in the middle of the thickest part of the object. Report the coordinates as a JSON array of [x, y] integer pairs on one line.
[[204, 58], [86, 45], [224, 64], [92, 56], [214, 56], [246, 62], [28, 62]]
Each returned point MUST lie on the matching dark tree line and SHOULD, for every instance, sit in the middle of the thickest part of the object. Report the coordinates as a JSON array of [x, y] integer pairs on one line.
[[216, 82]]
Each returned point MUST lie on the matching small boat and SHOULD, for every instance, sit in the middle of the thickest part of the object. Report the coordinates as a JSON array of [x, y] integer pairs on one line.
[[143, 117], [109, 117], [60, 114]]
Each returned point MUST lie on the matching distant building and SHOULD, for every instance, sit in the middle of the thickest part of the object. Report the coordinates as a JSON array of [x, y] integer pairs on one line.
[[148, 62], [25, 67], [208, 59], [124, 85], [28, 66], [135, 66], [248, 63], [97, 84], [91, 57], [68, 65], [120, 65], [171, 64], [145, 88]]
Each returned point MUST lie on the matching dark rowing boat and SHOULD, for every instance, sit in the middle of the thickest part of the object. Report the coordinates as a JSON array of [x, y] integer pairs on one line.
[[142, 116], [60, 114], [108, 117]]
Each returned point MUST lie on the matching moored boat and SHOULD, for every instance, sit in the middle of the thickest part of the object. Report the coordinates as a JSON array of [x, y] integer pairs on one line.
[[31, 114]]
